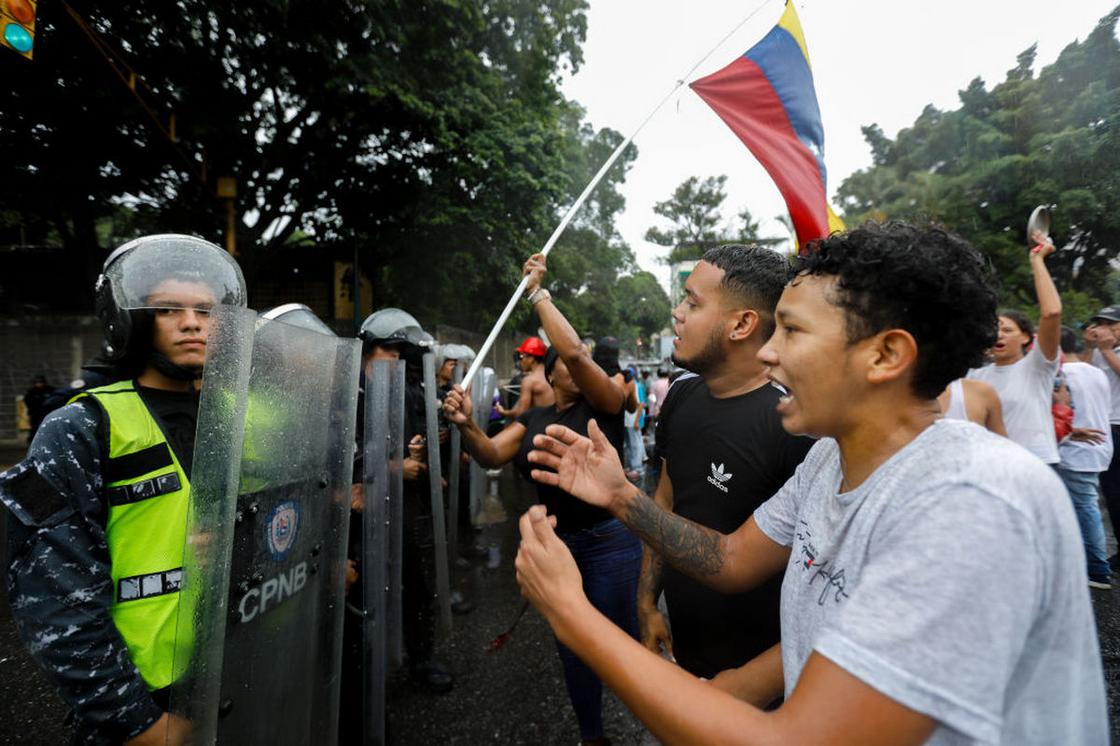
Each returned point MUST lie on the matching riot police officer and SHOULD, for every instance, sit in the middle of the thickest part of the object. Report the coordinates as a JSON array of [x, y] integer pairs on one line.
[[100, 501], [390, 334]]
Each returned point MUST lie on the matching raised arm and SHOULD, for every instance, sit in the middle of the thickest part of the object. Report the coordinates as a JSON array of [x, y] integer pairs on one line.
[[603, 393], [1049, 302], [490, 452], [588, 468]]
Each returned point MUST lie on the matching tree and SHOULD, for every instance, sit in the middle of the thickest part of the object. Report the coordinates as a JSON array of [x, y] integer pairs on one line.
[[592, 271], [410, 129], [695, 212], [980, 169]]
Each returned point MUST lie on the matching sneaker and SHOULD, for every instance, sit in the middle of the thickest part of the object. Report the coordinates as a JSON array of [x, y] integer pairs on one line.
[[1100, 584]]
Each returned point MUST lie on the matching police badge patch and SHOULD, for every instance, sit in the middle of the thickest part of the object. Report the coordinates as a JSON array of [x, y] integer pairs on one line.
[[282, 526]]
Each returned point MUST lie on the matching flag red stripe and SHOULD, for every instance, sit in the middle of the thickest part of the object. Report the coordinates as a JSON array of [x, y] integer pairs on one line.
[[745, 100]]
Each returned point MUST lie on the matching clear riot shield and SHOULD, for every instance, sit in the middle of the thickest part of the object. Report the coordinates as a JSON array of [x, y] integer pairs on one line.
[[397, 446], [264, 564], [382, 519], [453, 473], [482, 396], [435, 483]]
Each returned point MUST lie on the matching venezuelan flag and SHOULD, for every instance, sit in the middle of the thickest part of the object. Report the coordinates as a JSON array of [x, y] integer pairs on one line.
[[768, 100]]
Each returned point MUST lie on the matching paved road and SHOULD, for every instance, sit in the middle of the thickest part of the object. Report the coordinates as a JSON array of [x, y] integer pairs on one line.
[[513, 696]]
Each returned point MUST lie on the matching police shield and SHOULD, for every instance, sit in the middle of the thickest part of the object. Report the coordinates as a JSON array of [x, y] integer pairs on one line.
[[482, 398], [264, 565], [382, 538], [435, 482], [454, 472]]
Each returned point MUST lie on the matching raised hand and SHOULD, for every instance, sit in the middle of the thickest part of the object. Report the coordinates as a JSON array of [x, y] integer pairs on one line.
[[534, 268], [457, 406], [587, 468], [1042, 244]]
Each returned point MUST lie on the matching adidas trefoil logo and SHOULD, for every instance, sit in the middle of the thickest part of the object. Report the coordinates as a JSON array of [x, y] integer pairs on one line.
[[718, 477]]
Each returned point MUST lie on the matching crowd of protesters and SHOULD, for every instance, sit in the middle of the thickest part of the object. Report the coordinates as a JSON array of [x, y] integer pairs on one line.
[[875, 515]]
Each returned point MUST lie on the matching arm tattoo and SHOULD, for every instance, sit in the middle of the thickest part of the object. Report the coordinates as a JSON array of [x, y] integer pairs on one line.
[[687, 546], [649, 581]]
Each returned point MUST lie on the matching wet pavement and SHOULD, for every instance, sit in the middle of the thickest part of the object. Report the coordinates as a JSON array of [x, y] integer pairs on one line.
[[514, 695]]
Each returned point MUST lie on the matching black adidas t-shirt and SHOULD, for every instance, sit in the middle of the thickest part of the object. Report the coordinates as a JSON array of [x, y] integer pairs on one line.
[[725, 457], [572, 514]]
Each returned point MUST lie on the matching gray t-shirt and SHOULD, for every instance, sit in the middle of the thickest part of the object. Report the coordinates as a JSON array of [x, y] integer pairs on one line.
[[952, 580]]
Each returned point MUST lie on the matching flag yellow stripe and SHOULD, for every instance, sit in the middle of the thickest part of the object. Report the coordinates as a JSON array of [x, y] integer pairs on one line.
[[792, 24]]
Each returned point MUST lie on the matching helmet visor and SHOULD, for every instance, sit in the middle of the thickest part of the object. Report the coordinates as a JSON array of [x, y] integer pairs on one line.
[[173, 273]]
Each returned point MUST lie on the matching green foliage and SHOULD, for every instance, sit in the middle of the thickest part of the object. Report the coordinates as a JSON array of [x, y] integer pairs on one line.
[[980, 169], [592, 272], [430, 135], [695, 213]]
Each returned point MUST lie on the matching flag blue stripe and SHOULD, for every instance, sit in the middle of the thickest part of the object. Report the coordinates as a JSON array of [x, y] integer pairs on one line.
[[779, 57]]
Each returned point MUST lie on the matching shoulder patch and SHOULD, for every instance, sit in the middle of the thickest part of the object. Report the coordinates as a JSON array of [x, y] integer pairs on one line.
[[34, 500]]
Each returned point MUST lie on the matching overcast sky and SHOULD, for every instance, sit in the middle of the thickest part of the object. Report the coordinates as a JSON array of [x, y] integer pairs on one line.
[[873, 62]]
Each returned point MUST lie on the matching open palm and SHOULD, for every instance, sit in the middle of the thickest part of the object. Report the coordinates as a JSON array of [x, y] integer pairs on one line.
[[585, 467]]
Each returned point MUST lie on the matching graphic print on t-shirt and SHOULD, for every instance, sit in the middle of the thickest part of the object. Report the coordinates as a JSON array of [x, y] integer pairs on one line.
[[719, 477], [833, 582]]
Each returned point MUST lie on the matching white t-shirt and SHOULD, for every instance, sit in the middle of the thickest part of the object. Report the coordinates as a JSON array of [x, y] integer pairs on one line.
[[952, 580], [1025, 391], [1088, 390], [1113, 384]]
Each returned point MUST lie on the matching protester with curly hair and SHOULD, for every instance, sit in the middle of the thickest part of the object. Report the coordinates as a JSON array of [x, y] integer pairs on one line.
[[934, 584], [1024, 366]]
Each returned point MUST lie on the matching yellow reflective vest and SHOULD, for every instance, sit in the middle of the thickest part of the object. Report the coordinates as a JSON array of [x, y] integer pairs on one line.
[[147, 495]]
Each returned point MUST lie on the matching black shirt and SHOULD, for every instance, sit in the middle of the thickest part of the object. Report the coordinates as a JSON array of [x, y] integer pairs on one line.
[[176, 412], [572, 514], [725, 457]]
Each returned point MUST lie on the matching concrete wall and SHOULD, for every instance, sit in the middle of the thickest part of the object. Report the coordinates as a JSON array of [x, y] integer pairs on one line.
[[54, 346]]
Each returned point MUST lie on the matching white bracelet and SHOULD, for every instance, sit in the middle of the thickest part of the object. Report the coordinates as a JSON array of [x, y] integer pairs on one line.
[[537, 296]]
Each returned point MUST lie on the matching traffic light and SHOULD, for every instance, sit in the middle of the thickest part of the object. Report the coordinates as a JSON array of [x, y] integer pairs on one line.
[[17, 25]]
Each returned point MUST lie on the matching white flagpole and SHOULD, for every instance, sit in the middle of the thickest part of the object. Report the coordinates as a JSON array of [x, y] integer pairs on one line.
[[504, 317]]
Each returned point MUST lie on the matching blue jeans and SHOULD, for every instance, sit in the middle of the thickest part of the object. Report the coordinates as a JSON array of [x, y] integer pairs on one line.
[[609, 558], [1083, 489]]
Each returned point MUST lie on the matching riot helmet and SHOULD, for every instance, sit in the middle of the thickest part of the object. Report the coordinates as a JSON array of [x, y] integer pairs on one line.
[[420, 338], [420, 343], [161, 273], [462, 353], [297, 314], [388, 327]]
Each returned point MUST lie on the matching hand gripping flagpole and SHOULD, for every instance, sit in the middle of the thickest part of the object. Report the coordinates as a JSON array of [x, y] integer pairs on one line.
[[504, 317]]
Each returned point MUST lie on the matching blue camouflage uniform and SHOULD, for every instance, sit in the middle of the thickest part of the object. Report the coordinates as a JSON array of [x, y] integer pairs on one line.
[[59, 580]]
